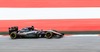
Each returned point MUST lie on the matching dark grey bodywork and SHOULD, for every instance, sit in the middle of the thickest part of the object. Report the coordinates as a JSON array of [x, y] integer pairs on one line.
[[25, 32]]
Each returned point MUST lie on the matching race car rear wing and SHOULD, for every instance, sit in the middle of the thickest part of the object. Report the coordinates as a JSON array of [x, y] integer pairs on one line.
[[12, 29]]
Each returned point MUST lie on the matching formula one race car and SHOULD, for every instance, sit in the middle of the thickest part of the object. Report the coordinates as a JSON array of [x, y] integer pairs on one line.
[[31, 32]]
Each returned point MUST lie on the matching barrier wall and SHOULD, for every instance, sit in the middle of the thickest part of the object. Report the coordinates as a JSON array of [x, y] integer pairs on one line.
[[60, 24]]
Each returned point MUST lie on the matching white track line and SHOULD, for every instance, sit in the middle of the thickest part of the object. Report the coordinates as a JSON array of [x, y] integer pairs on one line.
[[83, 35], [4, 35], [0, 35]]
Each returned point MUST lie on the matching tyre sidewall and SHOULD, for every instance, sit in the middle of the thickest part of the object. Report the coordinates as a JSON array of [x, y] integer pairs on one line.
[[49, 33], [13, 35]]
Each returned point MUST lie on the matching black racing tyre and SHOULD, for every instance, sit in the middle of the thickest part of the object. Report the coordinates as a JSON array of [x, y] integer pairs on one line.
[[13, 35], [49, 35]]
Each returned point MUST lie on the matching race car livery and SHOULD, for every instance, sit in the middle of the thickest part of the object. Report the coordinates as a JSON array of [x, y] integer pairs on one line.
[[31, 32]]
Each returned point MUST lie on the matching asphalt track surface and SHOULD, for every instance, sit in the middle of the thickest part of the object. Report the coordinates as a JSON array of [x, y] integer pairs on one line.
[[66, 44]]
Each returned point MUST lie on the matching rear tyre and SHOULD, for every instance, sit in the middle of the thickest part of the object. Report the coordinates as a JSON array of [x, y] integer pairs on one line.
[[48, 35], [13, 35]]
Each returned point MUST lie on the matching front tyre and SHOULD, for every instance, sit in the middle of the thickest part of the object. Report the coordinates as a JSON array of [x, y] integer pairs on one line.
[[49, 35]]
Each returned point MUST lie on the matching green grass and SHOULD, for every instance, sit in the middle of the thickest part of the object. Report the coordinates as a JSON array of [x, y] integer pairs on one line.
[[3, 33]]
